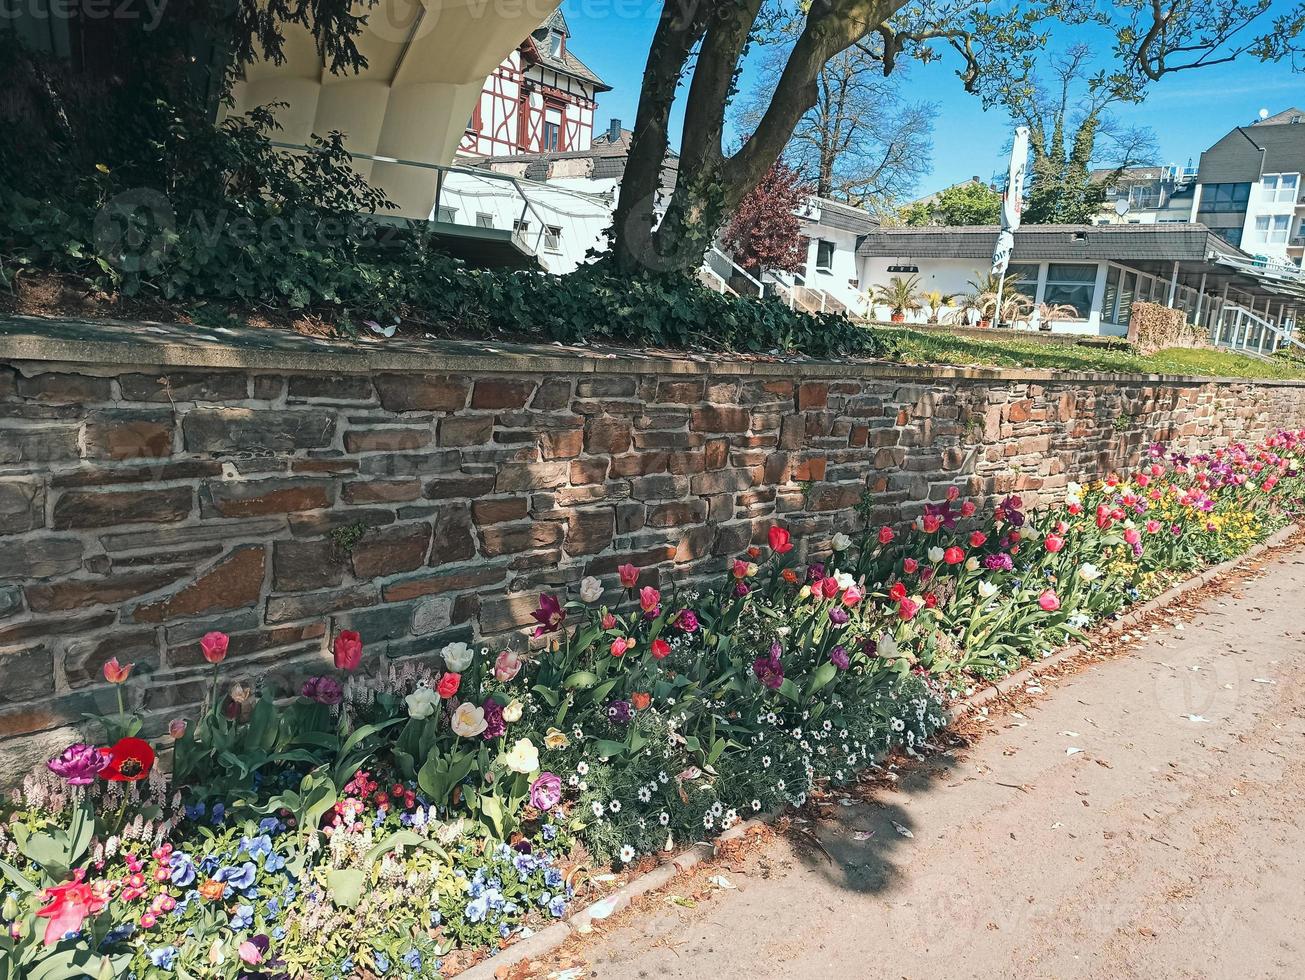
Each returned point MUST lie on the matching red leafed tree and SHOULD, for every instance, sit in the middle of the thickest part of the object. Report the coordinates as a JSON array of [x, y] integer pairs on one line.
[[765, 232]]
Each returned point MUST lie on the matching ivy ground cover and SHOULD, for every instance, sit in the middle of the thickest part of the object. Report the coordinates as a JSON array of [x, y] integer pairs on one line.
[[395, 819]]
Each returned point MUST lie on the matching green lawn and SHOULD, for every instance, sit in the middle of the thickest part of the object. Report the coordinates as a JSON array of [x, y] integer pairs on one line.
[[920, 347]]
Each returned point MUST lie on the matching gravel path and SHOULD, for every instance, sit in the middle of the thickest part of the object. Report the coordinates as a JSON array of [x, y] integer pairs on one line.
[[1143, 818]]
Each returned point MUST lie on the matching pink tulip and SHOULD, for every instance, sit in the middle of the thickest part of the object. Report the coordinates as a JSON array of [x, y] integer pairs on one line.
[[214, 646], [1049, 601], [506, 666]]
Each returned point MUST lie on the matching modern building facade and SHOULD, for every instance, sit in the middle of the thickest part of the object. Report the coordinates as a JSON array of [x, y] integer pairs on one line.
[[540, 99], [1097, 271], [1146, 195], [1249, 189]]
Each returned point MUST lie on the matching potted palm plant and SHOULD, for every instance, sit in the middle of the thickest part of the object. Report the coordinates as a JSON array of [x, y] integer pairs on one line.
[[1049, 313], [1014, 304], [900, 296], [936, 299]]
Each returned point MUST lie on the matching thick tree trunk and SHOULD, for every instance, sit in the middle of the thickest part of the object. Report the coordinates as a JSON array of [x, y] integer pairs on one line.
[[680, 28], [710, 185]]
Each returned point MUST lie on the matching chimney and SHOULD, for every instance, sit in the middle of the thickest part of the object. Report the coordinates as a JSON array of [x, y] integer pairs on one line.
[[614, 131]]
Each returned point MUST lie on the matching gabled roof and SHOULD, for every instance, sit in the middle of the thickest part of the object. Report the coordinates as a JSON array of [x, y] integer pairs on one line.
[[1285, 118], [568, 63], [1249, 152]]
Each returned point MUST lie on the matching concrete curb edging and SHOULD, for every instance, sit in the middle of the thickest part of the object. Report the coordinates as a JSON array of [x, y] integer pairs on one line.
[[552, 937]]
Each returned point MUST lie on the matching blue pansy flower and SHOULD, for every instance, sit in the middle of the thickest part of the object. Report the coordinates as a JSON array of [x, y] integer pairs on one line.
[[183, 869], [164, 957]]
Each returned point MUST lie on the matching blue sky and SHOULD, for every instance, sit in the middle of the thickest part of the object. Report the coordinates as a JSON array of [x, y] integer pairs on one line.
[[1187, 111]]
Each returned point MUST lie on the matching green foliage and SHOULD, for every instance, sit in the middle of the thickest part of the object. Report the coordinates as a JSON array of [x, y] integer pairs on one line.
[[1008, 349], [970, 203]]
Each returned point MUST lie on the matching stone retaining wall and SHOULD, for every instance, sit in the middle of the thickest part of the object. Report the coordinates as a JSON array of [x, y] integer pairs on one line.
[[143, 505]]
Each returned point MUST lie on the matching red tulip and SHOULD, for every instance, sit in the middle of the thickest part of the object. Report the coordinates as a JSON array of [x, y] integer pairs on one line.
[[978, 539], [898, 592], [448, 685], [1053, 542], [348, 650], [127, 760], [886, 535], [953, 555], [116, 673], [67, 907], [781, 542], [629, 575], [660, 649], [1049, 601], [907, 609]]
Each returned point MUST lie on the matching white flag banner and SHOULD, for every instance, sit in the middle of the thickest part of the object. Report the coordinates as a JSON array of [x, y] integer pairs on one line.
[[1011, 202]]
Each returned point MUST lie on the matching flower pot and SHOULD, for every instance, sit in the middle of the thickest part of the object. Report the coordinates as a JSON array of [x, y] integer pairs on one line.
[[898, 318], [984, 324]]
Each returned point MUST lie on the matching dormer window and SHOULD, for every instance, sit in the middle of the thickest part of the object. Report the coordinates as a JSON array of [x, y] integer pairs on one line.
[[556, 42]]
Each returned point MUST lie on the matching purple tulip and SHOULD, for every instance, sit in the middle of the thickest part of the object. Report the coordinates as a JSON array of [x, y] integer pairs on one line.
[[550, 615], [769, 670], [494, 726], [839, 658], [546, 791], [323, 690], [687, 620], [79, 764], [838, 616]]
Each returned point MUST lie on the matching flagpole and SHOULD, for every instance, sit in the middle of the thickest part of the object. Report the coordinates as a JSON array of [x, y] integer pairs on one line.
[[1011, 203]]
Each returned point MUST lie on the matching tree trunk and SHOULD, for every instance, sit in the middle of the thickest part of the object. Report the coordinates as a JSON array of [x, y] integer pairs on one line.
[[680, 28], [710, 185]]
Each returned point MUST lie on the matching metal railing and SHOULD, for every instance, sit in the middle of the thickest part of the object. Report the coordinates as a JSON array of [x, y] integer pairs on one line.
[[499, 199], [738, 278], [1246, 332]]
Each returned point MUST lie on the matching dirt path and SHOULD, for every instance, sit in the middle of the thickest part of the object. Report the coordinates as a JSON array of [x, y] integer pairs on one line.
[[1145, 818]]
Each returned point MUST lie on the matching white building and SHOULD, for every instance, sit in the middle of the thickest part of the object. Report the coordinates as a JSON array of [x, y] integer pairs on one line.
[[1249, 188], [1099, 271]]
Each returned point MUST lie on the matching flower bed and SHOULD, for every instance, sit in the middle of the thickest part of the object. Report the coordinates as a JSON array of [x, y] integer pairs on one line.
[[393, 822]]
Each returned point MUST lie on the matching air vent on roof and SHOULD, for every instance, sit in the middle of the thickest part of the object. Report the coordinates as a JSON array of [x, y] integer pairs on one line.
[[1079, 236]]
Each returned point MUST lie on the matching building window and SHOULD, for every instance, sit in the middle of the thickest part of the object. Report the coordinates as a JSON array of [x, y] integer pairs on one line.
[[552, 238], [1281, 188], [824, 256], [1224, 197], [1070, 285], [1112, 295], [1272, 229], [1023, 277], [1127, 292], [446, 214], [552, 129], [484, 220]]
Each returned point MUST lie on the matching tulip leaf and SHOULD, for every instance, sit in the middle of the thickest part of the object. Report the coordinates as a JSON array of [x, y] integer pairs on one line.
[[346, 886]]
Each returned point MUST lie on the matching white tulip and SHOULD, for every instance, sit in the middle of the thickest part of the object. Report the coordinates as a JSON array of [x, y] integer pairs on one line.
[[841, 542], [1089, 572], [422, 702], [935, 555], [591, 589], [457, 657]]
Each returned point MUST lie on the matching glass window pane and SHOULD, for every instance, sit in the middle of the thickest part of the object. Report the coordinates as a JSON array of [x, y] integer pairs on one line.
[[1112, 294], [1127, 290], [1064, 272]]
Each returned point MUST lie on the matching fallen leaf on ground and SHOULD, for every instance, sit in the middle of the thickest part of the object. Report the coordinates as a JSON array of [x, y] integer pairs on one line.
[[902, 830]]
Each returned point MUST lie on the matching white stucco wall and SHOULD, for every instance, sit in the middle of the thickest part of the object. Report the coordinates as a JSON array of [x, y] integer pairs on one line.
[[497, 203], [953, 276], [841, 278]]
